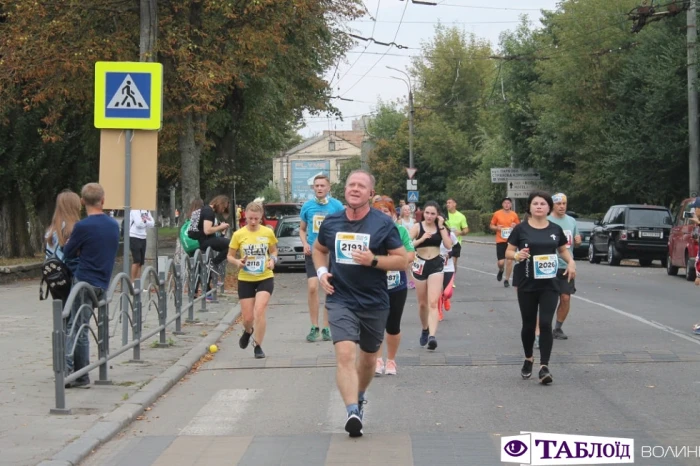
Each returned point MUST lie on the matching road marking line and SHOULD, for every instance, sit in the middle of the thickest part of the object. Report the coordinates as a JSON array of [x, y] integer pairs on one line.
[[221, 414], [651, 323]]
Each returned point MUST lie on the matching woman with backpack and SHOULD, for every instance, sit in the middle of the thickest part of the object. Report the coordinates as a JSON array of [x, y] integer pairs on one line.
[[65, 216]]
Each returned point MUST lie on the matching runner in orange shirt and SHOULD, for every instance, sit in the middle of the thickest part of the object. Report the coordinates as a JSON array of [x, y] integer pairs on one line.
[[502, 223]]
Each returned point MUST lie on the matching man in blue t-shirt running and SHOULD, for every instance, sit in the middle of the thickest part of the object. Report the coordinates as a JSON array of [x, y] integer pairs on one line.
[[312, 214], [353, 252]]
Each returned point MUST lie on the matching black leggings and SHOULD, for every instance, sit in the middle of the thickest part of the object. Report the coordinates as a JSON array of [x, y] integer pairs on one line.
[[218, 244], [530, 301], [397, 301]]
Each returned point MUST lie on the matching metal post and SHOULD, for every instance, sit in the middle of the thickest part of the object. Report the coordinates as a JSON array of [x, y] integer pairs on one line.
[[410, 128], [162, 309], [178, 301], [693, 142], [192, 287], [204, 278], [58, 339], [103, 343], [127, 225], [136, 317]]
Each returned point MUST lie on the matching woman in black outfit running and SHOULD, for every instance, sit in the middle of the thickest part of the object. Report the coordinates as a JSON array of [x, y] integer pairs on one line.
[[538, 241]]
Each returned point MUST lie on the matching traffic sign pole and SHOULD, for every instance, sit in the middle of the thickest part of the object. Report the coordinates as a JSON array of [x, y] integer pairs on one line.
[[127, 227]]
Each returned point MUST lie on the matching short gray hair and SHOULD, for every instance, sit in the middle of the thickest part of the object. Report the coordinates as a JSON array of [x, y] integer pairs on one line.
[[372, 181]]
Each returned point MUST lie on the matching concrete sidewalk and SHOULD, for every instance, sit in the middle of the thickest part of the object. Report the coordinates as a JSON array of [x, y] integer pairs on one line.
[[28, 433]]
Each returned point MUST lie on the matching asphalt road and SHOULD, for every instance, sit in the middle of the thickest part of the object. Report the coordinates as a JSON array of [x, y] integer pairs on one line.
[[630, 368]]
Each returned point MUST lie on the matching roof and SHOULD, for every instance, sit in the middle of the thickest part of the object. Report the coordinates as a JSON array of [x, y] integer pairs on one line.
[[353, 137]]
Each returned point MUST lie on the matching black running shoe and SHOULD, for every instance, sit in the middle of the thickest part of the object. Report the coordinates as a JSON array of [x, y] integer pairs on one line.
[[526, 371], [353, 425], [506, 284], [558, 334], [245, 339], [499, 276], [432, 343], [258, 352], [424, 337], [545, 376]]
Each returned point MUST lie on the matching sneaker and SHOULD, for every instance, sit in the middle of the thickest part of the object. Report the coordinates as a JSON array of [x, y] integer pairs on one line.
[[80, 382], [326, 334], [411, 285], [245, 339], [424, 337], [361, 402], [313, 335], [526, 371], [499, 275], [258, 352], [448, 305], [353, 425], [432, 343], [559, 334], [454, 285], [545, 376], [379, 370], [537, 342], [210, 299], [506, 284], [696, 329], [390, 367]]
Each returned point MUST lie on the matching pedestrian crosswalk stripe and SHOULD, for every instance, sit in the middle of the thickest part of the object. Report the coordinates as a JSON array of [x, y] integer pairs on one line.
[[222, 412], [128, 96]]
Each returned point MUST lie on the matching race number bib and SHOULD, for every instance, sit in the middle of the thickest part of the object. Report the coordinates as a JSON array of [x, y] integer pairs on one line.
[[254, 264], [505, 232], [417, 266], [393, 279], [545, 266], [317, 220], [569, 238], [346, 243]]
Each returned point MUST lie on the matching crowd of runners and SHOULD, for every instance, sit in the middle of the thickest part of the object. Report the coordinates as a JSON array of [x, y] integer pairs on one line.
[[366, 254]]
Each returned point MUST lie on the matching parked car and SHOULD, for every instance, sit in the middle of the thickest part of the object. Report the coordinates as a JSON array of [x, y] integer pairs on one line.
[[683, 242], [274, 211], [290, 250], [632, 232], [585, 228]]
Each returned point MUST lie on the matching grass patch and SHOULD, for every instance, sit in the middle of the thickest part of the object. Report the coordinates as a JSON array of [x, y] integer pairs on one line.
[[168, 232], [8, 261], [128, 383]]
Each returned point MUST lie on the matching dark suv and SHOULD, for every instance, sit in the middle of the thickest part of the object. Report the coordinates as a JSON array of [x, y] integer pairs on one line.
[[631, 232]]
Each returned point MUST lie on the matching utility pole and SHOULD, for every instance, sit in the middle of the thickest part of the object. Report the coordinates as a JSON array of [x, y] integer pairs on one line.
[[693, 143], [411, 111]]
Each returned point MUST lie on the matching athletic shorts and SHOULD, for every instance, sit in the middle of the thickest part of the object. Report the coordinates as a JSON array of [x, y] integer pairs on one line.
[[565, 286], [430, 267], [456, 250], [446, 279], [365, 326], [137, 246], [248, 290], [501, 250], [310, 268]]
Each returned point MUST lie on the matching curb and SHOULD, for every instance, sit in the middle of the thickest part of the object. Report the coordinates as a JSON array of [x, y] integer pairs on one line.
[[112, 423], [478, 242]]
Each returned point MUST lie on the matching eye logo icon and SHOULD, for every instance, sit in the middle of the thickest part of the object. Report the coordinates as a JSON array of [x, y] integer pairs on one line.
[[515, 448]]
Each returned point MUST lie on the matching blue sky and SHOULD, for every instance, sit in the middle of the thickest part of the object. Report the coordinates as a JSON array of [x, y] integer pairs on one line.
[[485, 18]]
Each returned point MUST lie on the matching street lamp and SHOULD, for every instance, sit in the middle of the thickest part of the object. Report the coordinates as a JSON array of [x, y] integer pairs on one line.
[[410, 112]]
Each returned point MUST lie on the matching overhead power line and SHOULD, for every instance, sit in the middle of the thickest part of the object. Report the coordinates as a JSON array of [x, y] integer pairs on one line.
[[376, 15], [372, 39]]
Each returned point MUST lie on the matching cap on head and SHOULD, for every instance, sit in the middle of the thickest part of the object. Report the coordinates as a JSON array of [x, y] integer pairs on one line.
[[559, 197]]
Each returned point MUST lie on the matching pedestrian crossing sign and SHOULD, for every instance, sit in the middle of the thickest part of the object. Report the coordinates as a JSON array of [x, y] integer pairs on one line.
[[128, 95], [413, 196]]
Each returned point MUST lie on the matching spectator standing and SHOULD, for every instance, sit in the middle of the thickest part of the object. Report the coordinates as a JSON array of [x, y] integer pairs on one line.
[[94, 241], [139, 221], [65, 216]]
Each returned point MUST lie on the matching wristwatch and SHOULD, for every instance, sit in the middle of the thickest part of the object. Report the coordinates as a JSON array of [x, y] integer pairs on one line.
[[375, 261]]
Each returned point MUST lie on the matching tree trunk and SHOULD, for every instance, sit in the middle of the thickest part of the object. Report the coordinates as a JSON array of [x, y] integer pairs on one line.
[[190, 153], [149, 30], [14, 231]]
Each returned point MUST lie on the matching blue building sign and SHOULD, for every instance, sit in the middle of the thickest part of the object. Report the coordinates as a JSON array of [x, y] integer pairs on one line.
[[303, 173]]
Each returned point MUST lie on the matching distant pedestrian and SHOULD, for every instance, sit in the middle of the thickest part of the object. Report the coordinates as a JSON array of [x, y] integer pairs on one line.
[[139, 222], [177, 217], [206, 229], [65, 216], [457, 223], [503, 222], [418, 215], [94, 241]]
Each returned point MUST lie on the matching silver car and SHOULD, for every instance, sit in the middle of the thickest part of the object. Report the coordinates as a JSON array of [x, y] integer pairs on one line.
[[290, 251]]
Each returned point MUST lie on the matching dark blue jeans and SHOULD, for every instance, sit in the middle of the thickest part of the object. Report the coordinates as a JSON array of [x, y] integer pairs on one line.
[[80, 315]]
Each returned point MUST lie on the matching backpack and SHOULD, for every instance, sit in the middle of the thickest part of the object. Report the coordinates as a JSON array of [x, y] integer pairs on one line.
[[58, 278], [189, 245]]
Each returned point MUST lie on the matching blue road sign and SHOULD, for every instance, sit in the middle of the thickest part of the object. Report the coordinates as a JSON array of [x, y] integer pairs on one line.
[[413, 196], [128, 95]]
